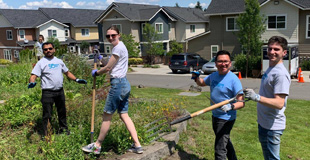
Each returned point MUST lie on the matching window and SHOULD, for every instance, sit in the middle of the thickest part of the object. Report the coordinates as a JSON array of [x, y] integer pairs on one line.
[[9, 35], [7, 54], [16, 54], [192, 28], [231, 24], [159, 28], [66, 32], [85, 31], [22, 34], [118, 26], [277, 22], [107, 49], [169, 27], [214, 50], [142, 27], [308, 27], [52, 33]]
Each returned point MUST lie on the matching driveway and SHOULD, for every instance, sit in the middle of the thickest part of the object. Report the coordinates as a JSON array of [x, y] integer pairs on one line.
[[163, 78]]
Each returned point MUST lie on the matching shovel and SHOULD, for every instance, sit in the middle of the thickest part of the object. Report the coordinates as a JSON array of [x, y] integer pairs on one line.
[[94, 99]]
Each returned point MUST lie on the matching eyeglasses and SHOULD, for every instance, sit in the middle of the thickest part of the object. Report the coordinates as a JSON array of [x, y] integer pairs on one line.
[[223, 62], [45, 49], [111, 35]]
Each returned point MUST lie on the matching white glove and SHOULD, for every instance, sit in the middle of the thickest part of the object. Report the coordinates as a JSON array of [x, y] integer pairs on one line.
[[250, 94], [227, 107]]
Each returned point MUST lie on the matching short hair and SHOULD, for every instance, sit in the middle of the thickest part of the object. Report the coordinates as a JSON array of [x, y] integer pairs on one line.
[[222, 52], [280, 40], [113, 28], [47, 43]]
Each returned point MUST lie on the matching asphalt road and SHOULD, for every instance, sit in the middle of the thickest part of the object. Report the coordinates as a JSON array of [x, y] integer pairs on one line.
[[163, 78]]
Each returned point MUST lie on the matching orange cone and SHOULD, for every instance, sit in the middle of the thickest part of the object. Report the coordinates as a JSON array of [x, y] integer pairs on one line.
[[301, 77], [240, 77]]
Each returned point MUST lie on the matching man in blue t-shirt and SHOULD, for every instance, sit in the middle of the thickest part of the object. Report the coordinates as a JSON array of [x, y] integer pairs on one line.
[[272, 99], [224, 85]]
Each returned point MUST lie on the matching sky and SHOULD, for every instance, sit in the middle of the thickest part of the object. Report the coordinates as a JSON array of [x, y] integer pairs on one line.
[[92, 4]]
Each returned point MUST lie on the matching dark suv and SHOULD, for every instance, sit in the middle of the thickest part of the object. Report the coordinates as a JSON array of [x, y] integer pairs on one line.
[[186, 62]]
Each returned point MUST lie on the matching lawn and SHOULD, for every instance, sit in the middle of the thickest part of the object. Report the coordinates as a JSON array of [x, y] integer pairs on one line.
[[198, 140]]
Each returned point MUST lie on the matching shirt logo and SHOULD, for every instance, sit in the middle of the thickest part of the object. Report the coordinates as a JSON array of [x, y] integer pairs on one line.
[[217, 84], [52, 66]]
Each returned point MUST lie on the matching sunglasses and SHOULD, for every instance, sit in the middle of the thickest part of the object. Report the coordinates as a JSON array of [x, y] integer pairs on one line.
[[45, 49], [111, 35]]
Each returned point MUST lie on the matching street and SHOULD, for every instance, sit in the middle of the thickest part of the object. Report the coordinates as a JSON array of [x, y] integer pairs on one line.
[[163, 78]]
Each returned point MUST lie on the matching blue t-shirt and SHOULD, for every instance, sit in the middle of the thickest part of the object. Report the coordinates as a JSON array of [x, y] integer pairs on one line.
[[223, 87]]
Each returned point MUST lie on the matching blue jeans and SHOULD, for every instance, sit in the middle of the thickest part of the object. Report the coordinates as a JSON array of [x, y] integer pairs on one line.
[[270, 142], [118, 96]]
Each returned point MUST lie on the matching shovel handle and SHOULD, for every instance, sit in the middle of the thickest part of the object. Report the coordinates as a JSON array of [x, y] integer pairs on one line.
[[93, 103]]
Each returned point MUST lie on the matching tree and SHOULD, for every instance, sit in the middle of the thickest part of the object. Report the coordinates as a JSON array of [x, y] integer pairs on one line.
[[131, 45], [153, 48], [59, 50], [177, 5], [84, 46], [175, 48], [251, 27], [55, 41], [198, 5]]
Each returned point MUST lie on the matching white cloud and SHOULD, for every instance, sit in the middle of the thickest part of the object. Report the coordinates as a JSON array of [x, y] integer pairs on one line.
[[4, 5], [92, 5], [45, 3]]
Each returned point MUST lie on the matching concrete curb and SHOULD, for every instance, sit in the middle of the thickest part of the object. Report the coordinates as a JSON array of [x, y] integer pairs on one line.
[[157, 150]]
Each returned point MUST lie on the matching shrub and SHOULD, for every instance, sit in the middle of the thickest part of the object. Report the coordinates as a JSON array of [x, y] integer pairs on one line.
[[5, 61], [132, 61], [240, 63], [305, 65]]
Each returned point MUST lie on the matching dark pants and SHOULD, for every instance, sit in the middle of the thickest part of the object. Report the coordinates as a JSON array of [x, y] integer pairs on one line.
[[49, 97], [223, 147]]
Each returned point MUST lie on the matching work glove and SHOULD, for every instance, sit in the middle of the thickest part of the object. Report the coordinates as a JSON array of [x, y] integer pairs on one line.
[[94, 72], [227, 107], [250, 94], [99, 57], [195, 75], [32, 84], [81, 81]]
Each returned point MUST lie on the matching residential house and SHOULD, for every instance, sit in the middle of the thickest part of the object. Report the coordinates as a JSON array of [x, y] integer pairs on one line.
[[81, 26], [171, 23], [287, 18]]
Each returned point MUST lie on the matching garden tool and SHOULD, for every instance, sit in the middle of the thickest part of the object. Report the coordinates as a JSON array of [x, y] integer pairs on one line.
[[210, 108], [94, 98]]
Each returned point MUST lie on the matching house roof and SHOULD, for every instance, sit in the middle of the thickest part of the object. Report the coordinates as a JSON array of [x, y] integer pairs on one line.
[[134, 12], [21, 18], [76, 17], [187, 14], [221, 7]]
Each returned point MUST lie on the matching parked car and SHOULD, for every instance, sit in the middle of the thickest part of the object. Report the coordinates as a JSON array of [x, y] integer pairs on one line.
[[186, 62], [210, 66], [90, 59]]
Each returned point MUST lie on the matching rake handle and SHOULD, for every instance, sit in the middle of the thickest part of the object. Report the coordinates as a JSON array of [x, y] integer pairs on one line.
[[200, 112], [93, 103]]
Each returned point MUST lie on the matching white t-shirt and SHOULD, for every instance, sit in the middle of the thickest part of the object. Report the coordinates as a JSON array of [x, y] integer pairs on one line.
[[51, 73], [276, 80], [121, 66]]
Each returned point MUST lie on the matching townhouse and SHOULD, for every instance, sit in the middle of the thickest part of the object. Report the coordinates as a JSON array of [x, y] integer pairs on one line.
[[287, 18], [19, 29], [171, 23]]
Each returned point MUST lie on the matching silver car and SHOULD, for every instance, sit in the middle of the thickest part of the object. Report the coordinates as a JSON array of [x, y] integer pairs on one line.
[[210, 66]]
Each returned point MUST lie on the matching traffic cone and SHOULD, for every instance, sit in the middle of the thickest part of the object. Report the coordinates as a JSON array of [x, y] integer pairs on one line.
[[240, 77], [301, 77]]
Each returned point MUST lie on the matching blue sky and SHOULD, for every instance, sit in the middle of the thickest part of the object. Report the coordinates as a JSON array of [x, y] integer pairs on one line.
[[92, 4]]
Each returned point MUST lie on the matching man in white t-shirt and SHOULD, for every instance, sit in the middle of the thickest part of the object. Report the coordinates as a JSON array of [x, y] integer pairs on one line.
[[272, 99]]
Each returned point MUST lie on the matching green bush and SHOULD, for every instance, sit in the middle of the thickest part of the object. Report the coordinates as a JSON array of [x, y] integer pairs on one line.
[[305, 65], [5, 61], [133, 61], [254, 63]]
